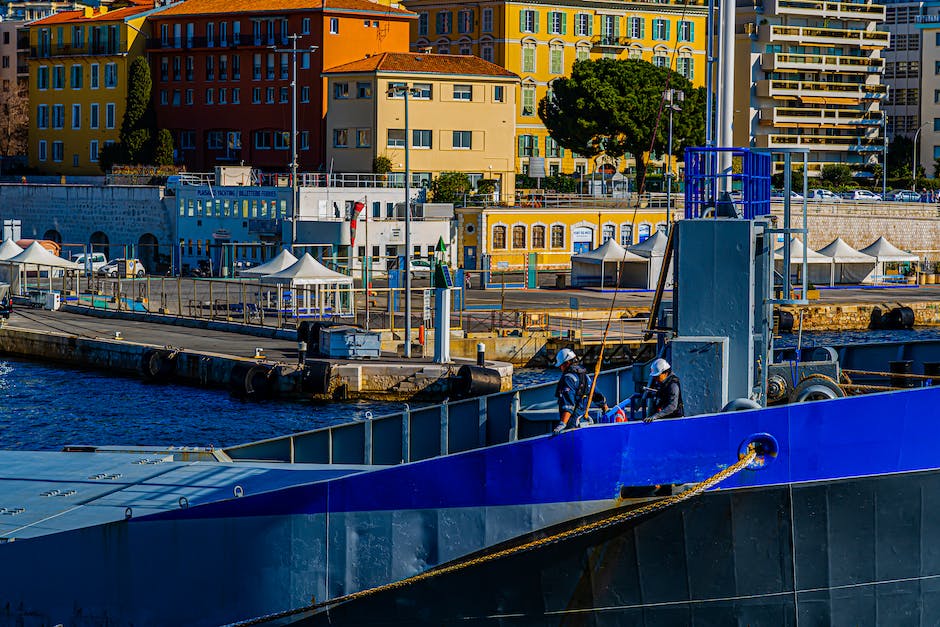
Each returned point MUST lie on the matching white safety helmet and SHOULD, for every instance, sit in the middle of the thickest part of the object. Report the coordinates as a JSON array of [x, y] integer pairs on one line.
[[658, 367], [563, 356]]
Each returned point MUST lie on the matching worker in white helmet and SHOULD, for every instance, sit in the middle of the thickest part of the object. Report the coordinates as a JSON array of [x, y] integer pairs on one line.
[[572, 391], [667, 399]]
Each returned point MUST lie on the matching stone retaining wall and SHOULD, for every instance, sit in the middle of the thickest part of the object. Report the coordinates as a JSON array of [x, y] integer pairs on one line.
[[849, 317]]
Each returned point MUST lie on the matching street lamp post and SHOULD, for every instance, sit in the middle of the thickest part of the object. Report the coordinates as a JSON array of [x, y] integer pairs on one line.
[[672, 96], [294, 187], [914, 157], [404, 90]]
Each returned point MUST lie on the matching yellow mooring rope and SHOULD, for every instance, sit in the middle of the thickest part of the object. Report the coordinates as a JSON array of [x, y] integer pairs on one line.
[[613, 519]]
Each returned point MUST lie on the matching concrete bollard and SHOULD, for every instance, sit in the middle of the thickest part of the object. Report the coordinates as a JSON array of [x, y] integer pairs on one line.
[[481, 354]]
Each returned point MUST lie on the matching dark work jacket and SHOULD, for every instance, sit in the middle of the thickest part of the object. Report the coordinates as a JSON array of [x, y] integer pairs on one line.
[[572, 391], [668, 400]]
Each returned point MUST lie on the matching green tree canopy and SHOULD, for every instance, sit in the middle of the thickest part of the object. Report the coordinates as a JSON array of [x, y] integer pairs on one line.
[[836, 175], [163, 151], [616, 107], [450, 187], [136, 136]]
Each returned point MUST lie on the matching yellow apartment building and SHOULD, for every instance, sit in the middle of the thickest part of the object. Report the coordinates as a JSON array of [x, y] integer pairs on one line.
[[541, 42], [461, 112], [507, 235], [78, 63]]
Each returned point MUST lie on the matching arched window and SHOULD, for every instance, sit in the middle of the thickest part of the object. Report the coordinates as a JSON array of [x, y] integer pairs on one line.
[[538, 236], [558, 236], [608, 232], [661, 227], [644, 232], [499, 237], [626, 235], [518, 236]]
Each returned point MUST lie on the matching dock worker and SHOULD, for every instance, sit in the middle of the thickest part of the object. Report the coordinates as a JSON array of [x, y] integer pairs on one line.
[[667, 399], [572, 391]]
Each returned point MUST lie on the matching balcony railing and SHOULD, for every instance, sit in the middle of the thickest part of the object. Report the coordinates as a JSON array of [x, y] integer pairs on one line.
[[838, 36], [814, 116], [63, 50], [831, 10], [196, 43], [312, 179], [610, 41], [777, 61], [820, 142], [773, 88]]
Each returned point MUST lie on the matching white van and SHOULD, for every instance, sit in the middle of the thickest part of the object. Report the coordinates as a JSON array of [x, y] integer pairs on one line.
[[98, 260]]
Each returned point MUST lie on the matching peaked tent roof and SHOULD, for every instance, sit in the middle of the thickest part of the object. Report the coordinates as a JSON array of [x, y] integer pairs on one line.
[[308, 271], [881, 249], [9, 249], [609, 251], [655, 243], [281, 261], [796, 253], [35, 254], [841, 252]]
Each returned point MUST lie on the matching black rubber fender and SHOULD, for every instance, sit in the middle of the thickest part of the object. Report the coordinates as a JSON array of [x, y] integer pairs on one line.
[[740, 404], [474, 381], [784, 321], [816, 387], [260, 381], [158, 364], [316, 377]]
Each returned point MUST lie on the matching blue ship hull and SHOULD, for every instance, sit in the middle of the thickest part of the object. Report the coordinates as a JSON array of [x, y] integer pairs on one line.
[[205, 543]]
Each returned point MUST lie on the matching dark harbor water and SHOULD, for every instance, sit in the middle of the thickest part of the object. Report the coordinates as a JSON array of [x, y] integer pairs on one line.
[[45, 406]]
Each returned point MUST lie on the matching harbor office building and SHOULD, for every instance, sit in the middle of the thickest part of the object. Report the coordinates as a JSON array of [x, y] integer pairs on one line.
[[231, 223]]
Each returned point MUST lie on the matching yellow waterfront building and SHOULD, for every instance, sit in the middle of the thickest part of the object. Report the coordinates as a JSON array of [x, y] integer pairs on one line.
[[506, 236], [460, 110], [541, 42], [78, 64]]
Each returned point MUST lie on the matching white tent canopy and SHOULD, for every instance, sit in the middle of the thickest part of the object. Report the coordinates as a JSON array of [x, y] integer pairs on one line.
[[281, 261], [883, 251], [796, 254], [8, 273], [315, 289], [652, 245], [36, 255], [605, 264], [849, 265], [9, 249]]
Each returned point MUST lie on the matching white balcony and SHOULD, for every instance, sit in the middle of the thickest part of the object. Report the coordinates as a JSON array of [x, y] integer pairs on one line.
[[782, 61], [840, 143], [818, 117], [831, 10], [811, 35], [814, 91]]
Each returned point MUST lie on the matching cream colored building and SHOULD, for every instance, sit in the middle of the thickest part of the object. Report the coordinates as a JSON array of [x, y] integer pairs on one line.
[[461, 116]]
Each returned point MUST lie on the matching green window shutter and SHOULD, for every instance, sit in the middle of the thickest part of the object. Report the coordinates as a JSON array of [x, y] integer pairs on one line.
[[642, 27], [564, 23], [668, 25], [535, 28], [616, 32], [521, 21], [590, 25], [439, 18], [691, 31], [535, 145], [520, 141]]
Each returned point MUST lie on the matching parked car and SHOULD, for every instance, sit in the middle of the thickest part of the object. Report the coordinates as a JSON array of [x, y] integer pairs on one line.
[[420, 268], [117, 268], [822, 194], [861, 194], [778, 193], [98, 260], [903, 195]]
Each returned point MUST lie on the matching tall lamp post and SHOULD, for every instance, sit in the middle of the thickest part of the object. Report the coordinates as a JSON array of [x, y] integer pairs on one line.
[[294, 187], [672, 97], [404, 90], [914, 157]]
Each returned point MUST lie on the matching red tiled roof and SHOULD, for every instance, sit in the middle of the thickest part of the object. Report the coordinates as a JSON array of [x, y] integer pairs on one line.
[[211, 7], [420, 63], [115, 15]]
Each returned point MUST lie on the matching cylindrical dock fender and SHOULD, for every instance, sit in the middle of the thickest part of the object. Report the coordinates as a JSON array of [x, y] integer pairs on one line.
[[473, 381], [740, 404], [816, 387], [260, 381], [784, 321], [316, 377], [157, 364]]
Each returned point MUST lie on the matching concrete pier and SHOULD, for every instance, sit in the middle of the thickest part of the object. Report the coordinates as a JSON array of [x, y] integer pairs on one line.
[[223, 359]]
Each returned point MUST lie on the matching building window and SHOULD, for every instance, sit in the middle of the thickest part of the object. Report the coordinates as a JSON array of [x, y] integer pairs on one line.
[[685, 66], [421, 91], [340, 91], [236, 95], [486, 52], [487, 22], [93, 115], [660, 60], [210, 68], [558, 236], [58, 151], [644, 232], [465, 21], [444, 22], [528, 57], [364, 90], [334, 25], [283, 94], [608, 232], [42, 77], [396, 138], [528, 146], [636, 27], [610, 29], [463, 140], [94, 75], [529, 21], [76, 116], [76, 78], [583, 23], [58, 77], [583, 53], [42, 150], [443, 47], [538, 236], [499, 93], [421, 139], [304, 94], [660, 30], [42, 116], [304, 141], [528, 100], [463, 92], [557, 23], [164, 68], [190, 97], [422, 24], [552, 149], [281, 140], [209, 95], [110, 75], [237, 67], [556, 59], [626, 235], [518, 236], [223, 99], [686, 30], [499, 237], [58, 116], [215, 141], [340, 137], [93, 151], [109, 115], [262, 140]]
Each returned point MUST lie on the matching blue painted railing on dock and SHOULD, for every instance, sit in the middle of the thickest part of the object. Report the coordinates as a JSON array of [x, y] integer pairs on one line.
[[428, 431]]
